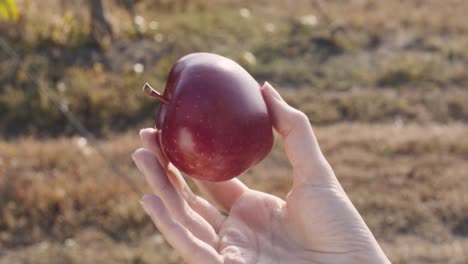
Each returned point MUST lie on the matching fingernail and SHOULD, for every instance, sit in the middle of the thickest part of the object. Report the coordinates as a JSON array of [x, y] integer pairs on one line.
[[145, 207], [137, 161], [273, 92], [146, 131], [134, 156]]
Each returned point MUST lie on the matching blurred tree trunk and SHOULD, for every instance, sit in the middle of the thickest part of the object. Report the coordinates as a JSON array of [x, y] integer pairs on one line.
[[101, 28], [129, 5]]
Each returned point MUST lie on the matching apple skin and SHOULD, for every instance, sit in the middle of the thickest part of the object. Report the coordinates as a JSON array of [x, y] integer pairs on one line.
[[215, 124]]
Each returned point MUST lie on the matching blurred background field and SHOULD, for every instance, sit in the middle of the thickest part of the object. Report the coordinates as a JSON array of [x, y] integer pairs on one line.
[[384, 83]]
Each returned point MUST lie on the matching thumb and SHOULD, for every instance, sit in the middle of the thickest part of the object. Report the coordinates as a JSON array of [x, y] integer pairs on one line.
[[300, 143]]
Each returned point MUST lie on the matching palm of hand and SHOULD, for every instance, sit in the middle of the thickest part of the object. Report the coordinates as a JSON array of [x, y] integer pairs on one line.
[[316, 224], [254, 231], [260, 228]]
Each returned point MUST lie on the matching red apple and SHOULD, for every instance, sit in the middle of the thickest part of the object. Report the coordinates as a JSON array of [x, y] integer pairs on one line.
[[213, 119]]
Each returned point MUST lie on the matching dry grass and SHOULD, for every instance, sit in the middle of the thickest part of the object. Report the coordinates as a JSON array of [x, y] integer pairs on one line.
[[384, 82], [382, 105], [408, 181]]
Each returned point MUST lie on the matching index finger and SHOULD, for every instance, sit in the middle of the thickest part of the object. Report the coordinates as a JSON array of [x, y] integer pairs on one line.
[[222, 194], [300, 143]]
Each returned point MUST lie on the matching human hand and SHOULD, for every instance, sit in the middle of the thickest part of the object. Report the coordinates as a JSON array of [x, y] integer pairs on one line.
[[317, 223]]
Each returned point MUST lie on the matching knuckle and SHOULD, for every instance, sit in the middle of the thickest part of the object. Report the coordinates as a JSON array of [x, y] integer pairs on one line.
[[184, 220], [292, 120], [298, 119], [164, 189], [186, 217], [299, 116]]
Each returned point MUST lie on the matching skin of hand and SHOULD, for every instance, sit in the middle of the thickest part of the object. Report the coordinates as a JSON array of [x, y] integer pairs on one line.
[[317, 223]]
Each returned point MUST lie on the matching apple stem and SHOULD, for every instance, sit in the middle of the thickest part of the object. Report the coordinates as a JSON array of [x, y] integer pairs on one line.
[[153, 93]]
